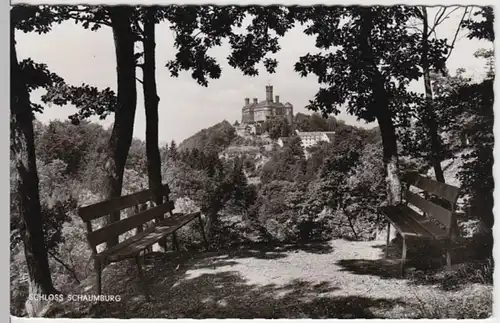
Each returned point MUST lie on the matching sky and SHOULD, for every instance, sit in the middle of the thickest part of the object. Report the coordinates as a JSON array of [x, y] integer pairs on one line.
[[82, 56]]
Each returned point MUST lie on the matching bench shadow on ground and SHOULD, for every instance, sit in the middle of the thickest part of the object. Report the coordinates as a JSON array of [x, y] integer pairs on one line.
[[425, 265], [222, 293], [386, 268]]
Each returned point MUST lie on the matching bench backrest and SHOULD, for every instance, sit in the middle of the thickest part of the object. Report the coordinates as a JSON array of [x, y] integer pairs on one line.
[[115, 229], [442, 212]]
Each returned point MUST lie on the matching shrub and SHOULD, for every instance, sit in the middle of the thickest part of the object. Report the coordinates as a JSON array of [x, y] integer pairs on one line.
[[473, 302], [75, 251]]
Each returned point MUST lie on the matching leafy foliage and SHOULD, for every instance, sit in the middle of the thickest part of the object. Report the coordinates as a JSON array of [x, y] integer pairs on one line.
[[314, 122], [335, 192], [277, 127], [286, 164], [482, 29], [37, 76], [473, 107], [210, 182], [395, 51], [200, 28], [37, 19], [87, 99]]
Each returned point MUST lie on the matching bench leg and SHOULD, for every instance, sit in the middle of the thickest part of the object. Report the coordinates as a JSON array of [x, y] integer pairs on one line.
[[403, 258], [175, 243], [207, 247], [163, 241], [448, 255], [98, 272], [163, 244], [138, 262], [387, 240]]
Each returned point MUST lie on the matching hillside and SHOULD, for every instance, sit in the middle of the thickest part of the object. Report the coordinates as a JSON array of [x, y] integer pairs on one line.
[[216, 137]]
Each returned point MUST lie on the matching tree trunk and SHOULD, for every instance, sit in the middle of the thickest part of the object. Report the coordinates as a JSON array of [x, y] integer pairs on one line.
[[22, 145], [429, 115], [211, 217], [121, 136], [390, 154], [381, 111], [151, 101]]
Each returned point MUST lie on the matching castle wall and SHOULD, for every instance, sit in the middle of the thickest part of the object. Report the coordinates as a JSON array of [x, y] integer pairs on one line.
[[262, 114], [247, 116]]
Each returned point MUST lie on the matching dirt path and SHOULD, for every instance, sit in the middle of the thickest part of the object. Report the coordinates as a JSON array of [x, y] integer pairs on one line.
[[339, 279], [325, 272]]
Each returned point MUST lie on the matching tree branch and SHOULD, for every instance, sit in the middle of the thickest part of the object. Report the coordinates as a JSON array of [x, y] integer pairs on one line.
[[456, 33], [419, 13], [139, 80], [438, 16], [77, 17], [136, 24], [438, 20], [71, 271]]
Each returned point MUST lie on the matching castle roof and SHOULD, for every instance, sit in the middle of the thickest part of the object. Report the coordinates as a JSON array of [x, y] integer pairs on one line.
[[265, 104]]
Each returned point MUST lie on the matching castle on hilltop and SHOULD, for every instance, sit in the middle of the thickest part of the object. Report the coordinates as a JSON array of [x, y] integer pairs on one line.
[[258, 112], [254, 114]]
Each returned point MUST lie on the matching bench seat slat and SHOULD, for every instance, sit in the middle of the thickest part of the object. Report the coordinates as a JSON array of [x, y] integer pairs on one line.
[[106, 252], [404, 225], [424, 222], [152, 236]]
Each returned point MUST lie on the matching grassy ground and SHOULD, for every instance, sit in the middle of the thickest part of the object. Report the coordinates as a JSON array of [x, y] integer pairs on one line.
[[339, 279]]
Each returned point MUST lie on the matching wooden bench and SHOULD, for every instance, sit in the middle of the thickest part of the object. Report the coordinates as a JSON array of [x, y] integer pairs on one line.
[[158, 228], [426, 216]]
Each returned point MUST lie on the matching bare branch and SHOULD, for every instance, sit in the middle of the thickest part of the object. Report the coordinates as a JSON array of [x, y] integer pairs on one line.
[[419, 13], [456, 33], [195, 35], [139, 80], [448, 15], [438, 16]]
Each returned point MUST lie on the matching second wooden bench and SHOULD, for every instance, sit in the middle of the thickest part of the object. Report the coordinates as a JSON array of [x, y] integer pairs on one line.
[[427, 215]]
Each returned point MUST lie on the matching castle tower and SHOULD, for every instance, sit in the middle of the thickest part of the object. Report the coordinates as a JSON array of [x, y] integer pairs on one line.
[[269, 93], [289, 112]]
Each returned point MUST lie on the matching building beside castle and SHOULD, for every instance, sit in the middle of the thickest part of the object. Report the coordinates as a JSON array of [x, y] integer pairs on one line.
[[259, 112], [312, 138]]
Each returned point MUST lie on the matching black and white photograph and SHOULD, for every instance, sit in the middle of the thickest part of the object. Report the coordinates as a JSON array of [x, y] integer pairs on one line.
[[250, 161]]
